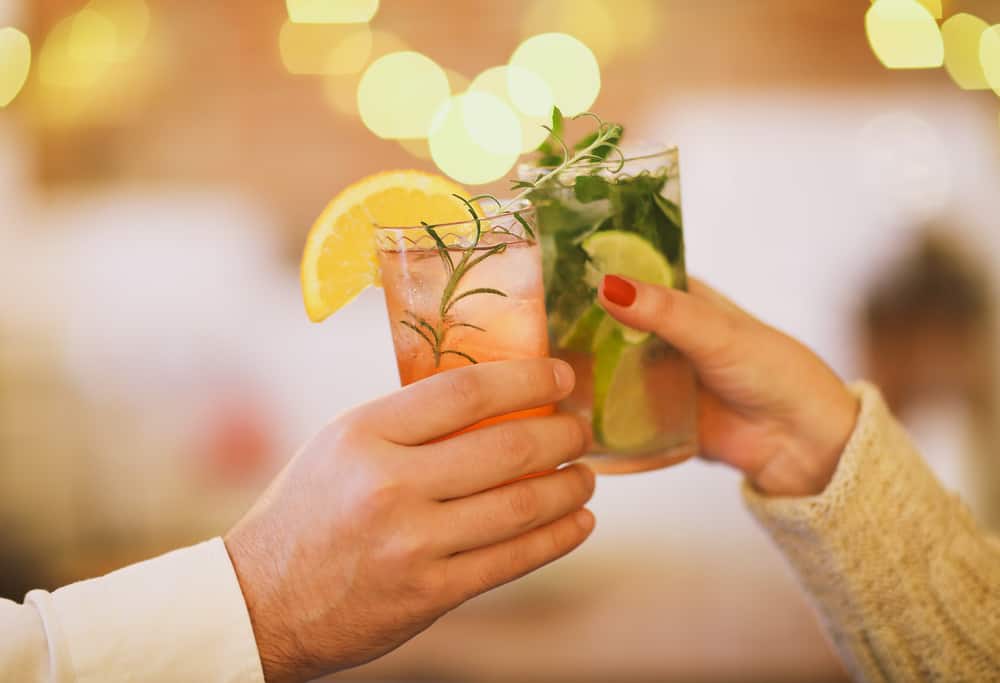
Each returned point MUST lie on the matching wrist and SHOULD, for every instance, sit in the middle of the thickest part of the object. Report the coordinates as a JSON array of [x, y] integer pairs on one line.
[[275, 645], [806, 463]]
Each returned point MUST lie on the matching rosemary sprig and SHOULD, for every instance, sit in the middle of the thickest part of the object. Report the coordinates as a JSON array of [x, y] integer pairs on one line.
[[436, 335], [592, 151]]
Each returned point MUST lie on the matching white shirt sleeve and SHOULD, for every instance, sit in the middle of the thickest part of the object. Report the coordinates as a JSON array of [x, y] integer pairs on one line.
[[177, 617]]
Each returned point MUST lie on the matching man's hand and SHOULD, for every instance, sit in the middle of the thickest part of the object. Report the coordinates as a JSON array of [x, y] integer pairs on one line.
[[370, 533]]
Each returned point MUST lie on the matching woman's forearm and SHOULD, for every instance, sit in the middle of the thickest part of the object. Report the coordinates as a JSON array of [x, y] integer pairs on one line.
[[906, 583]]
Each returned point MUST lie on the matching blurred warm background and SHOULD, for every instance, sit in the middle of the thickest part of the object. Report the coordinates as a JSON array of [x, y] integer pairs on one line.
[[164, 159]]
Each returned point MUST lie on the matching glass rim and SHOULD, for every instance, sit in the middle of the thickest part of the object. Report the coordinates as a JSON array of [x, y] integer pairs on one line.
[[523, 206]]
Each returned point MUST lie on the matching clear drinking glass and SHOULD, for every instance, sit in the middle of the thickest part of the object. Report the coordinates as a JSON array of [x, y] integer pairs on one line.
[[619, 217], [463, 293]]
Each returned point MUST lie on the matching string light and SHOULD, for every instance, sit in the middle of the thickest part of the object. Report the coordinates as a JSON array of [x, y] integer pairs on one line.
[[420, 148], [989, 56], [399, 94], [15, 62], [331, 11], [933, 6], [341, 90], [324, 48], [904, 35], [528, 96], [458, 82], [78, 51], [962, 34], [131, 21], [95, 64], [566, 65], [475, 138], [591, 21]]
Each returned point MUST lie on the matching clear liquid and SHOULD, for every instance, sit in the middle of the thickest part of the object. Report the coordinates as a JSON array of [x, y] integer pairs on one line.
[[659, 391], [512, 326]]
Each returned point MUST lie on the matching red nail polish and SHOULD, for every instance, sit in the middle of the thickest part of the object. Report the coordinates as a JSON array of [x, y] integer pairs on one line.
[[618, 291]]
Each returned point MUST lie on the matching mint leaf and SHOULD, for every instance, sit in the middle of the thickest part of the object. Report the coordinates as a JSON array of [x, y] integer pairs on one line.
[[590, 188], [670, 210], [550, 151]]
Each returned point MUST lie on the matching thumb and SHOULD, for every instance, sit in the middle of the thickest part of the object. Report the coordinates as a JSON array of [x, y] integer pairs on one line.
[[696, 323]]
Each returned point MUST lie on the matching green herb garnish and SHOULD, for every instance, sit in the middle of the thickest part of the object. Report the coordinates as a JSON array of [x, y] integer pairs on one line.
[[593, 150]]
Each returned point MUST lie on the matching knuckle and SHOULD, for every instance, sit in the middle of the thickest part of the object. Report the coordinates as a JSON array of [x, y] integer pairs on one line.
[[517, 557], [409, 550], [542, 378], [583, 482], [382, 491], [486, 579], [662, 305], [575, 437], [516, 447], [524, 504], [344, 432], [467, 389], [429, 586], [559, 538]]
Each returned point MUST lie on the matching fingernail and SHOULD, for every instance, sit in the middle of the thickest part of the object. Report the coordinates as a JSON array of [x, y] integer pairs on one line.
[[585, 520], [618, 291], [564, 375]]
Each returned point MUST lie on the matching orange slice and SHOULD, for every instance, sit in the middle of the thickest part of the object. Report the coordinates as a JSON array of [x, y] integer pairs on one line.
[[339, 261]]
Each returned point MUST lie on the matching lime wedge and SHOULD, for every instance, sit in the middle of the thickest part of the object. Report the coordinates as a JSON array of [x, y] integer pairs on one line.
[[580, 335], [626, 253], [623, 417]]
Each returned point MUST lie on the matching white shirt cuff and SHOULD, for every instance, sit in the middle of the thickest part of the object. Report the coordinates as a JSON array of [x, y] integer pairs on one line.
[[177, 617]]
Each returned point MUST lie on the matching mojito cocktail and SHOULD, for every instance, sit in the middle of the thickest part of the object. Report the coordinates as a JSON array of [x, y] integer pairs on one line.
[[619, 216]]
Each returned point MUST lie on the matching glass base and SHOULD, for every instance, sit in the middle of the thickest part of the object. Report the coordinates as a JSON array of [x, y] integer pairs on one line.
[[629, 464]]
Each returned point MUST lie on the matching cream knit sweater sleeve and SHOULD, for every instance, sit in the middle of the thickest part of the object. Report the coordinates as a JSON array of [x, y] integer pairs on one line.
[[907, 585]]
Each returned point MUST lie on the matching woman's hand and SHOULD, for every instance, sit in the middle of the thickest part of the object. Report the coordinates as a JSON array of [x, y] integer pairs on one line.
[[371, 533], [767, 405]]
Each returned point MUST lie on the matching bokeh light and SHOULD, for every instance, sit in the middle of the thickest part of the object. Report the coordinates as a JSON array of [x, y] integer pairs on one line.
[[475, 138], [400, 93], [600, 24], [591, 21], [131, 21], [351, 54], [95, 65], [528, 96], [989, 55], [78, 51], [324, 48], [962, 34], [904, 35], [331, 11], [15, 62], [341, 90], [457, 81], [566, 65], [420, 148], [933, 6]]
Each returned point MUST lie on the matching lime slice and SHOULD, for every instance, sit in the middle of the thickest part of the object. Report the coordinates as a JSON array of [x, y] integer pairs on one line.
[[626, 253], [581, 333], [623, 417]]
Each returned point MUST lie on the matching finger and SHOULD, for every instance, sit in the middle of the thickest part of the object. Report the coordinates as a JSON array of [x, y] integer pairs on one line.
[[477, 571], [510, 511], [486, 458], [452, 400], [698, 325]]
